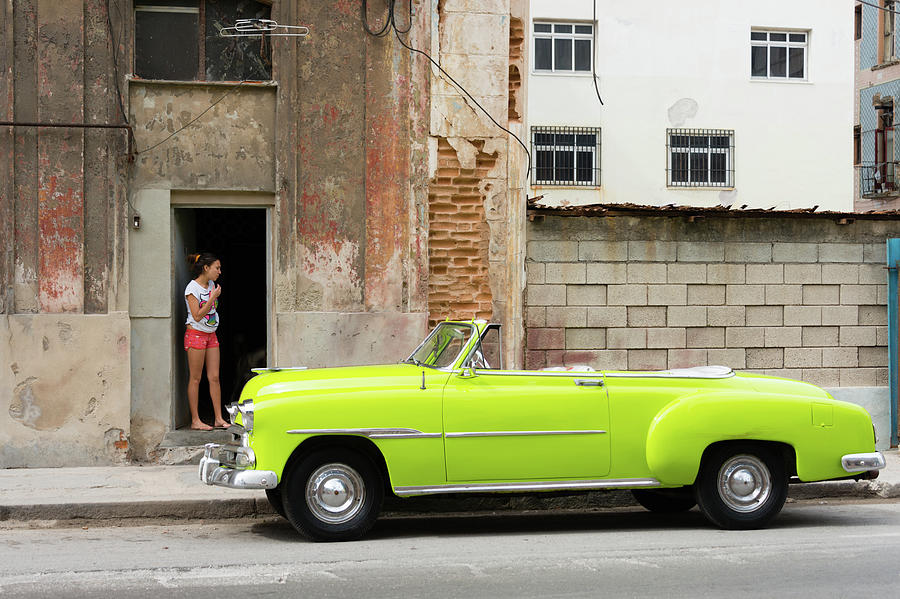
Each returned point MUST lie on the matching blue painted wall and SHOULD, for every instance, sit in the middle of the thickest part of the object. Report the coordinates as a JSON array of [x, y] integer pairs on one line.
[[868, 46]]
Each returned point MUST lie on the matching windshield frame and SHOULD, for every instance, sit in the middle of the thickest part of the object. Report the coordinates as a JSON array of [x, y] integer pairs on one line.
[[465, 348], [467, 362]]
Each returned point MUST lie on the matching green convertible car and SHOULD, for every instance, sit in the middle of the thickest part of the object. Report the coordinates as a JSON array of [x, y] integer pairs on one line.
[[327, 444]]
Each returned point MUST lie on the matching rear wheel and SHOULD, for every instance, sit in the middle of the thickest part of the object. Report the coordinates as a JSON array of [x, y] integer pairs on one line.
[[665, 501], [333, 495], [741, 486]]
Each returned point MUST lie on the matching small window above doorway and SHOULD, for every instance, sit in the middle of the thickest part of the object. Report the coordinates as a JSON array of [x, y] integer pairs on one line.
[[179, 40]]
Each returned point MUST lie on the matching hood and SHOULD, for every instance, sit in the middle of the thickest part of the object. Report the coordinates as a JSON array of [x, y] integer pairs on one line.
[[274, 383]]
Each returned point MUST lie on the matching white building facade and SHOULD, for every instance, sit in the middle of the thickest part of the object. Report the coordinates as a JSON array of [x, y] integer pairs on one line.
[[704, 103]]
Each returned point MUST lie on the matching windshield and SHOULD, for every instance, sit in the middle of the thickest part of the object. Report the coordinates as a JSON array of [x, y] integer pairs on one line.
[[442, 347]]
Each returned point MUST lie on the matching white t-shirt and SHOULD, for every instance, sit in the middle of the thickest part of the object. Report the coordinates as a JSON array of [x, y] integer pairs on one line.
[[210, 322]]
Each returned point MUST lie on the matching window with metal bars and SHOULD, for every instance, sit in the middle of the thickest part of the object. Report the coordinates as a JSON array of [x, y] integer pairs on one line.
[[566, 156], [700, 157]]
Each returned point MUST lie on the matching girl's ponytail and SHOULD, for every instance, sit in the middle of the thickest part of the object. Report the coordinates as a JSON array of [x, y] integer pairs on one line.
[[196, 262]]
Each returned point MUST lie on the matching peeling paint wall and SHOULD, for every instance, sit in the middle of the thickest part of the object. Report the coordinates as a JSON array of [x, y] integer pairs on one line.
[[351, 186], [231, 147], [63, 340]]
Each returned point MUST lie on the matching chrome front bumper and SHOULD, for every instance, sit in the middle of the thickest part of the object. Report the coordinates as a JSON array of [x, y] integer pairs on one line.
[[212, 472], [858, 462]]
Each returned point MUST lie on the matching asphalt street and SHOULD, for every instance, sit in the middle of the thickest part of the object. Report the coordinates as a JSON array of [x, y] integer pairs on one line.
[[815, 549]]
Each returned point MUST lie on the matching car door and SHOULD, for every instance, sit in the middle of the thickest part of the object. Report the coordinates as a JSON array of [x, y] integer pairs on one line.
[[504, 425]]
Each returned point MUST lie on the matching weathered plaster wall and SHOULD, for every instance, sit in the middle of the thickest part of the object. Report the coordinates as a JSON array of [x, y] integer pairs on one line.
[[474, 48], [7, 168], [231, 147], [63, 186], [351, 184], [63, 280], [64, 404], [324, 339]]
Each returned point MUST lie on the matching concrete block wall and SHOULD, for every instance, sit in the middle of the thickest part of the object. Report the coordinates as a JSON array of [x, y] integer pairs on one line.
[[801, 298]]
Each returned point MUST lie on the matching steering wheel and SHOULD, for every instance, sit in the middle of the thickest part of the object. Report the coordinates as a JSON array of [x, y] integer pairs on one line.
[[478, 360]]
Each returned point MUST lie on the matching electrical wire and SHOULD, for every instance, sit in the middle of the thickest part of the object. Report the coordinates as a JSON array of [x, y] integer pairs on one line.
[[890, 10], [390, 23], [116, 43], [192, 121], [387, 21], [594, 57], [115, 56]]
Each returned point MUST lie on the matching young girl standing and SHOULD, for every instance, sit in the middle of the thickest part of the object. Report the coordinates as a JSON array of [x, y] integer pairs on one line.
[[202, 297]]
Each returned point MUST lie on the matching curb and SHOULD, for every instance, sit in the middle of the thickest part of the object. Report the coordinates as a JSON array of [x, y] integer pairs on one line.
[[434, 505], [172, 509]]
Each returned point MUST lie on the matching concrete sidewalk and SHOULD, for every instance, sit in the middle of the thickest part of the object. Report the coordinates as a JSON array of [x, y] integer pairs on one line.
[[120, 492]]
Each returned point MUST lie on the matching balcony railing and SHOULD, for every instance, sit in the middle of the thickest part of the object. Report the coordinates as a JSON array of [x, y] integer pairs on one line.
[[878, 179]]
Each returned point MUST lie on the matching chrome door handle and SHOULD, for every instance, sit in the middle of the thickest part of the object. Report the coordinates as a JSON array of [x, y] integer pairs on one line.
[[589, 382]]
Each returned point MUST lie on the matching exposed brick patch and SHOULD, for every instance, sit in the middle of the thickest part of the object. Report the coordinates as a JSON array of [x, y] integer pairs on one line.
[[458, 238], [516, 45]]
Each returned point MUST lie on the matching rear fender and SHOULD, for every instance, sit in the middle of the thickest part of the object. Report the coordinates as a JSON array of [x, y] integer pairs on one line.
[[682, 430]]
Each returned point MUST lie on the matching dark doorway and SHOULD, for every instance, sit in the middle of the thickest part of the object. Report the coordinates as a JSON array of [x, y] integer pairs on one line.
[[237, 236]]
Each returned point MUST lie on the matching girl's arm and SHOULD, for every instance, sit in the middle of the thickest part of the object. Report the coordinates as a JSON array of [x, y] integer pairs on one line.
[[196, 311]]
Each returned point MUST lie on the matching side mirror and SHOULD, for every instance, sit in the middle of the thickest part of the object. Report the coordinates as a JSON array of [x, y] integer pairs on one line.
[[467, 373]]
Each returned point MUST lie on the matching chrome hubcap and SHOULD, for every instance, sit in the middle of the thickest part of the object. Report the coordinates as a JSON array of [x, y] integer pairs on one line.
[[335, 493], [744, 483]]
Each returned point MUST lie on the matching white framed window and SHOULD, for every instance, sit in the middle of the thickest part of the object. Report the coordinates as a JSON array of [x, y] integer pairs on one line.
[[778, 54], [700, 157], [563, 47], [566, 156]]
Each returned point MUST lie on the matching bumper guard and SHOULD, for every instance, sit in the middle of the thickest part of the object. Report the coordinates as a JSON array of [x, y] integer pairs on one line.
[[212, 472], [856, 462]]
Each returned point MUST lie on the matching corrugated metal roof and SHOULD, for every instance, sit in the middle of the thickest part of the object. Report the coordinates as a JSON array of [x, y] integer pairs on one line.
[[535, 207]]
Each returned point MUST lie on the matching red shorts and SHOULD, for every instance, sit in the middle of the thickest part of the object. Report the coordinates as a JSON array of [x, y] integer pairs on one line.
[[195, 339]]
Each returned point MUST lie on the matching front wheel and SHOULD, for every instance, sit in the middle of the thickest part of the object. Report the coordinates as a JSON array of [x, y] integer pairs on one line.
[[333, 495], [741, 487], [276, 501]]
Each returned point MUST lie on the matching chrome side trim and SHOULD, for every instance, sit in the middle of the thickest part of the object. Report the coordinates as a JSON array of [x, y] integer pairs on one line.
[[372, 433], [855, 462], [528, 486], [520, 433]]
